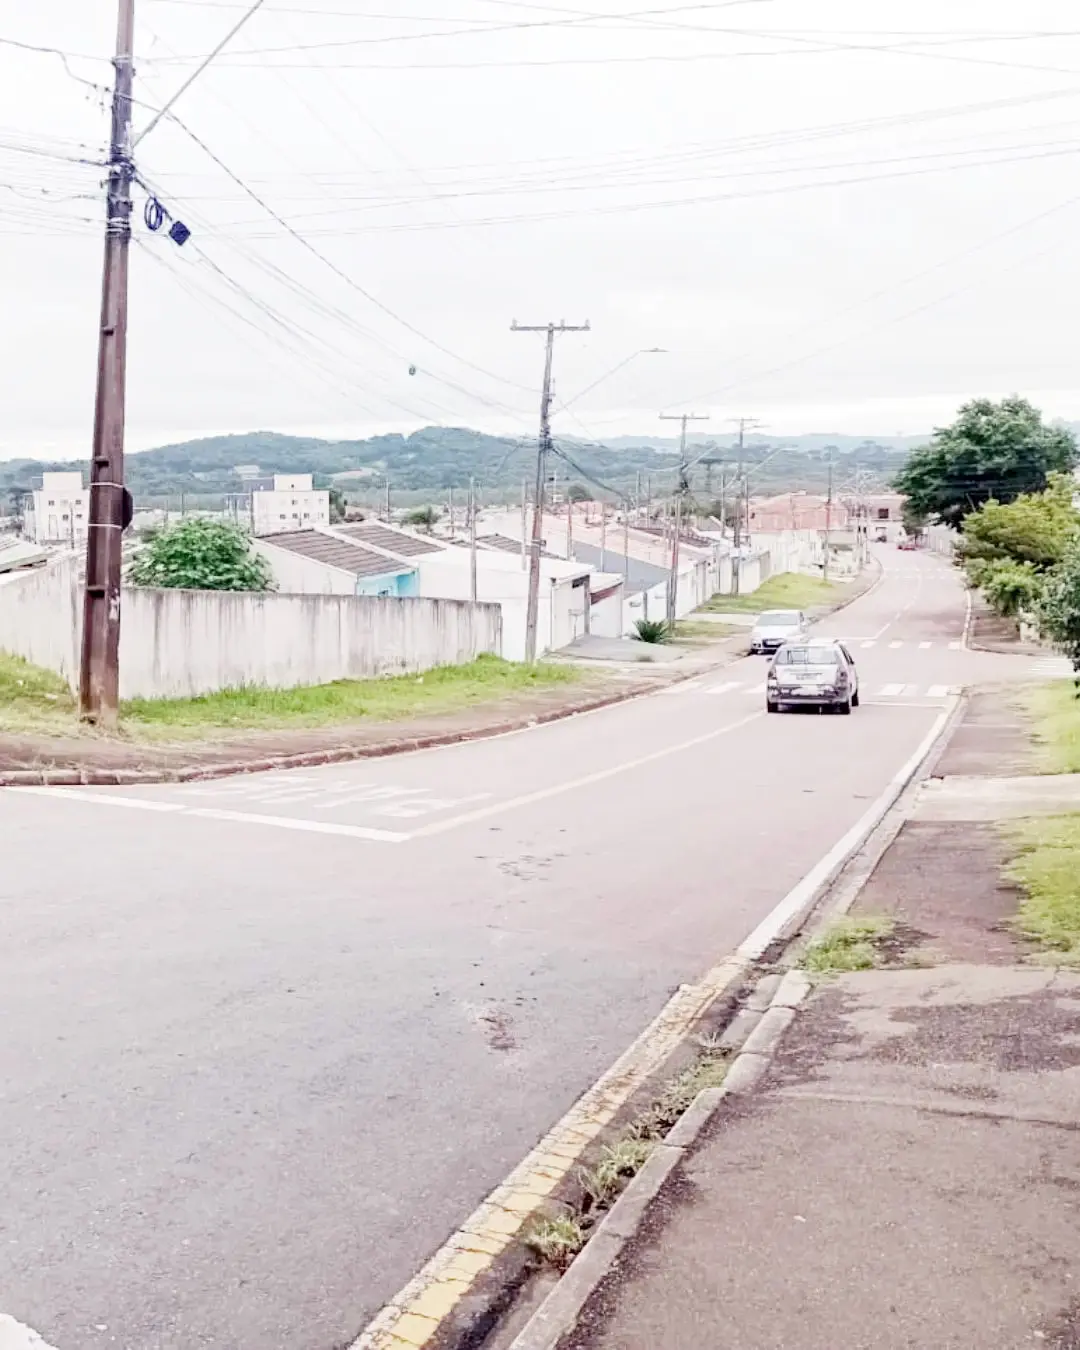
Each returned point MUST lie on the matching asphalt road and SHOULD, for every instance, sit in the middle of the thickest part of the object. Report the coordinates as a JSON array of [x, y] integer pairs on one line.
[[267, 1041]]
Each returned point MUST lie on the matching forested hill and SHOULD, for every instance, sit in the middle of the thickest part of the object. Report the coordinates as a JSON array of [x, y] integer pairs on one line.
[[437, 458]]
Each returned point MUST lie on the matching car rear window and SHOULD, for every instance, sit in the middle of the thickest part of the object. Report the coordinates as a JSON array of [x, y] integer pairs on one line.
[[807, 656], [788, 618]]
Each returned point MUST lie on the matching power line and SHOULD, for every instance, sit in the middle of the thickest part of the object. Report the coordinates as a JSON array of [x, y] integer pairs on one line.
[[328, 262]]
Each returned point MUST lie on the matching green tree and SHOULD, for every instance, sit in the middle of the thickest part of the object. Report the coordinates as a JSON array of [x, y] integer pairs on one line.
[[914, 520], [1060, 610], [337, 505], [1011, 588], [992, 451], [425, 517], [202, 555], [1035, 528], [576, 492]]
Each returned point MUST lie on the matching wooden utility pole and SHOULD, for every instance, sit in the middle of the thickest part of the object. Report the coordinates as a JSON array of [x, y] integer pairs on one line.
[[99, 666], [532, 608], [682, 487]]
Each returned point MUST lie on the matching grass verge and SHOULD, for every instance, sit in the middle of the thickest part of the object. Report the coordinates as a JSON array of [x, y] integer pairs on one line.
[[848, 944], [1047, 869], [35, 700], [786, 590], [1055, 710], [703, 632]]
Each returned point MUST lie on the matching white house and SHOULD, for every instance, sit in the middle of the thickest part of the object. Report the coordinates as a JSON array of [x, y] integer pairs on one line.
[[292, 504], [61, 510]]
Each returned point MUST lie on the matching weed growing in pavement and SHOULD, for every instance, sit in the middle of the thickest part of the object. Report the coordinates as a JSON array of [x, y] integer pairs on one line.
[[848, 944], [618, 1163], [557, 1239]]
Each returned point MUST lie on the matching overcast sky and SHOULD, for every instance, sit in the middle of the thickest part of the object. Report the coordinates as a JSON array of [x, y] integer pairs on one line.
[[833, 215]]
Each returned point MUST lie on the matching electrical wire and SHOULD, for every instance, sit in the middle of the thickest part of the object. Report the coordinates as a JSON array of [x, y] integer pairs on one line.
[[344, 276]]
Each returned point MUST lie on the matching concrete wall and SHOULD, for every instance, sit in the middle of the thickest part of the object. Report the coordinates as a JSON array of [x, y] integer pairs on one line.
[[41, 617], [179, 643], [500, 580]]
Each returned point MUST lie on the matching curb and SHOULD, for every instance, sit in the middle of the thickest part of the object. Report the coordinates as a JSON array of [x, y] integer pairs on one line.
[[560, 1311], [68, 777], [422, 1310], [310, 758]]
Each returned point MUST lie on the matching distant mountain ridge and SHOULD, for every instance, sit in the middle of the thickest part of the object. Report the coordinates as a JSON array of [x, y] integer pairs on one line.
[[435, 459]]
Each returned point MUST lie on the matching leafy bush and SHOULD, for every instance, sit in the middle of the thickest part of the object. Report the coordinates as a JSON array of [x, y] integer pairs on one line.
[[1060, 609], [1011, 588], [201, 555]]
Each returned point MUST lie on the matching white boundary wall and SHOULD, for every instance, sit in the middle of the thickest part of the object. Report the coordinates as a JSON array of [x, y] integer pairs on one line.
[[176, 644]]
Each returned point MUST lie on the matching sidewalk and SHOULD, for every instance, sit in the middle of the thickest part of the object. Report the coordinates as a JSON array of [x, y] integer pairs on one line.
[[907, 1172]]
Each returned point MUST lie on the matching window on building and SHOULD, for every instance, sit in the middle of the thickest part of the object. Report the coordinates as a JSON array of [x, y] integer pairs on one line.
[[282, 517], [883, 513], [51, 502]]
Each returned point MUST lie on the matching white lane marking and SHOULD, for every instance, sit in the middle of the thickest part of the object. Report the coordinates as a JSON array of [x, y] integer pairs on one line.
[[599, 1104], [955, 646], [893, 645], [210, 813], [101, 798], [939, 691], [572, 784], [15, 1336], [722, 688], [867, 645], [891, 690], [924, 646]]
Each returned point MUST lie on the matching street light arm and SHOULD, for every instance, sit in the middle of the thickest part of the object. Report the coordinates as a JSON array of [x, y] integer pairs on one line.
[[643, 351], [162, 112]]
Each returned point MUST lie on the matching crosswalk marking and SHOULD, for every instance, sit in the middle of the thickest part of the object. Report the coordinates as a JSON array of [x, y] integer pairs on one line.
[[894, 645], [955, 646], [684, 687], [867, 645], [756, 689], [924, 646]]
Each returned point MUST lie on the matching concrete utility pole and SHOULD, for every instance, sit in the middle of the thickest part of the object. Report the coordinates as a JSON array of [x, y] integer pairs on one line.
[[99, 666], [472, 540], [450, 508], [570, 528], [388, 501], [828, 522], [524, 521], [532, 608], [742, 490], [603, 534], [682, 487]]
